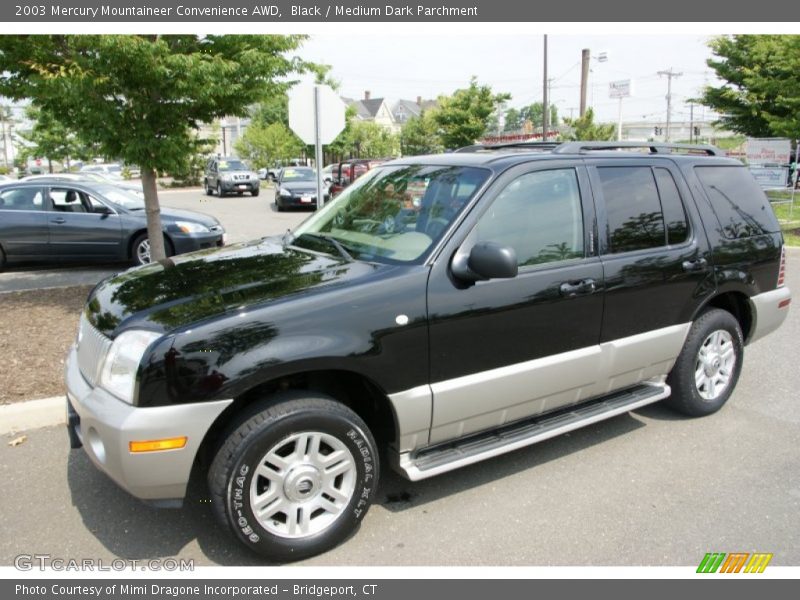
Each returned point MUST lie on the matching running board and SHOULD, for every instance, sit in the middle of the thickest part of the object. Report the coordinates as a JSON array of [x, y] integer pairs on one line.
[[467, 451]]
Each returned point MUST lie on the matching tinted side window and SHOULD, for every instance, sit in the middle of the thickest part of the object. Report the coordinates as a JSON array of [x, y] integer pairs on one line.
[[672, 205], [21, 199], [634, 213], [740, 205], [539, 215]]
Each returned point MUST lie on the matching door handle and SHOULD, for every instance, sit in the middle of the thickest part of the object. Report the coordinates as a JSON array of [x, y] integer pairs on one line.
[[695, 265], [570, 289], [59, 220]]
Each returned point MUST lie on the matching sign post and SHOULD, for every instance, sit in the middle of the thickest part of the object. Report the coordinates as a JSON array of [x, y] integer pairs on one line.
[[619, 89], [316, 115]]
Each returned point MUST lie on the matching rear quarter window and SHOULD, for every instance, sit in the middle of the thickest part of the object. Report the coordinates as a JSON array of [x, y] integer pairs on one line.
[[741, 207]]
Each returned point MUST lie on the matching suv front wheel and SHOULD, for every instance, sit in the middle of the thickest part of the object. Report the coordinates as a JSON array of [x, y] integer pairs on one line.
[[296, 477], [708, 367]]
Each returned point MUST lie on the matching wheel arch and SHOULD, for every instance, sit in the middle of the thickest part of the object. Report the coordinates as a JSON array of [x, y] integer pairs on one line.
[[356, 391], [132, 238], [735, 302]]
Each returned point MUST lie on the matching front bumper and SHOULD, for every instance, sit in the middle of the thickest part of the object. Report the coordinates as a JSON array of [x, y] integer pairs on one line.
[[105, 426], [240, 186], [189, 242]]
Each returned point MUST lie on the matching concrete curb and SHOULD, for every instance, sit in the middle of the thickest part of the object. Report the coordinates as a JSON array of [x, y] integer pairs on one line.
[[32, 414]]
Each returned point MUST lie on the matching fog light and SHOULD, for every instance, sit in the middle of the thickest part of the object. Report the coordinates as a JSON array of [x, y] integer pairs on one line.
[[156, 445]]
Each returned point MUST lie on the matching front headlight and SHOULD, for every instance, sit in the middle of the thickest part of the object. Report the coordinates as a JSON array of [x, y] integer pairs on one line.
[[284, 192], [189, 227], [118, 375], [226, 178]]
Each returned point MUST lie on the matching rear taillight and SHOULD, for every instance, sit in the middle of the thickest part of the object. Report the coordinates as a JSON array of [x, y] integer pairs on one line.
[[782, 270]]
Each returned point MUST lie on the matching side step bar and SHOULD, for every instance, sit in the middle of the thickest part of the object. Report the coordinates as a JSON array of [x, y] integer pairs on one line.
[[443, 458]]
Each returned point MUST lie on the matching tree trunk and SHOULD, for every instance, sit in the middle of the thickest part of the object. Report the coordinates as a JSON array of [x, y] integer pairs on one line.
[[153, 213], [50, 165]]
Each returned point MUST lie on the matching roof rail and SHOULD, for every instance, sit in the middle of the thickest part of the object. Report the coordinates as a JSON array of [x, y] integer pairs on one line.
[[652, 147], [499, 146]]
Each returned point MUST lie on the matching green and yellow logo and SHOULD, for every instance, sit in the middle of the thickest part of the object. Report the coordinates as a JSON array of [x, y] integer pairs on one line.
[[735, 562]]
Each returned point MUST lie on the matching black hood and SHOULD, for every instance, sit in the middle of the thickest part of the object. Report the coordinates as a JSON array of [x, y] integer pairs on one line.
[[186, 289]]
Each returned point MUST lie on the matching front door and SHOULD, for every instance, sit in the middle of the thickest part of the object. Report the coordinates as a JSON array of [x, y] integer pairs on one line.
[[81, 226], [506, 349]]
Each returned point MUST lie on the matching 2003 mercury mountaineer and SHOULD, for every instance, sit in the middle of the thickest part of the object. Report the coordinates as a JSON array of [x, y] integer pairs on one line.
[[444, 309]]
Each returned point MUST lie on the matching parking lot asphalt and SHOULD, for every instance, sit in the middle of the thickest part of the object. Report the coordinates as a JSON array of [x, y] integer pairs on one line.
[[645, 488], [244, 218]]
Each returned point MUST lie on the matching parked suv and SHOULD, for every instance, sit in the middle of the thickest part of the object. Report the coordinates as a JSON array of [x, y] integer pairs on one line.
[[443, 310], [226, 175]]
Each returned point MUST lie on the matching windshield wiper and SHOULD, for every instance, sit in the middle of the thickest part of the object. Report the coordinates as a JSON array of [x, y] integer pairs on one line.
[[332, 241]]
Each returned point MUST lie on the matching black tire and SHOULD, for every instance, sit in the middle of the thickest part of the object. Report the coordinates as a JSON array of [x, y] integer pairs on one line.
[[254, 193], [2, 260], [220, 193], [209, 189], [267, 426], [686, 396], [168, 249], [278, 205]]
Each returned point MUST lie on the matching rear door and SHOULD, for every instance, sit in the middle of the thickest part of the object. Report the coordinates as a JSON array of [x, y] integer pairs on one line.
[[80, 225], [23, 221], [505, 349], [656, 260]]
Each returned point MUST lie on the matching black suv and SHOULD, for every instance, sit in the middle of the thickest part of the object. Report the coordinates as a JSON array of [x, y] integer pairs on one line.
[[443, 310], [229, 175]]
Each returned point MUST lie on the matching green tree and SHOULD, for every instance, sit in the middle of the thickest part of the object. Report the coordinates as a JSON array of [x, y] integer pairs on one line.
[[534, 112], [263, 145], [49, 138], [760, 96], [513, 120], [464, 116], [420, 135], [584, 128], [142, 98], [371, 140]]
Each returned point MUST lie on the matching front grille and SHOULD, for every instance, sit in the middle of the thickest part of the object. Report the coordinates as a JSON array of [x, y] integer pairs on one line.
[[92, 349], [241, 177]]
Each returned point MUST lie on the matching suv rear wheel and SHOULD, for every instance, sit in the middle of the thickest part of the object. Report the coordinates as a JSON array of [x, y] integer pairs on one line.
[[296, 477], [708, 367]]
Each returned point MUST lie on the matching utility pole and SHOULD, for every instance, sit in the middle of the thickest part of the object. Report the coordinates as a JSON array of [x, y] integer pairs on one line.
[[545, 90], [585, 57], [670, 74]]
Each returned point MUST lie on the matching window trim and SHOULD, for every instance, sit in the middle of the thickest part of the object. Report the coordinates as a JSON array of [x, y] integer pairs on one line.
[[602, 214], [466, 227], [49, 206]]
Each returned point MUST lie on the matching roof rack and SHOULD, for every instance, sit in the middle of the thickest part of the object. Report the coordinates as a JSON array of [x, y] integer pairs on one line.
[[652, 147], [501, 145], [584, 147]]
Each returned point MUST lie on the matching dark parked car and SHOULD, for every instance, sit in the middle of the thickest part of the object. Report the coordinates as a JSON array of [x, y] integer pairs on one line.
[[443, 310], [51, 220], [230, 176], [296, 187]]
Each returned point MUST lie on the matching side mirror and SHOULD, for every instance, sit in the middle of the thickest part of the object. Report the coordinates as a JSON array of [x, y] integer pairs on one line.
[[102, 209], [486, 260]]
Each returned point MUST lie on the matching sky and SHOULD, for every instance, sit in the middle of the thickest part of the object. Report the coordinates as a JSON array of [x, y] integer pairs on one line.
[[407, 66]]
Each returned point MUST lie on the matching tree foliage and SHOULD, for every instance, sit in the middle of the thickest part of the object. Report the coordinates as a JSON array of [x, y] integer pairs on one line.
[[464, 116], [584, 128], [760, 96], [49, 138], [142, 98], [264, 145], [420, 135], [370, 140]]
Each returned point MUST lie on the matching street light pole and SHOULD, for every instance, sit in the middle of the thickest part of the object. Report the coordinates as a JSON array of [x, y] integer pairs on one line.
[[669, 75], [545, 107]]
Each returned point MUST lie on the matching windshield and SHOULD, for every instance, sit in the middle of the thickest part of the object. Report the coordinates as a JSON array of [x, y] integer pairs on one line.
[[298, 175], [121, 197], [231, 165], [393, 214]]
